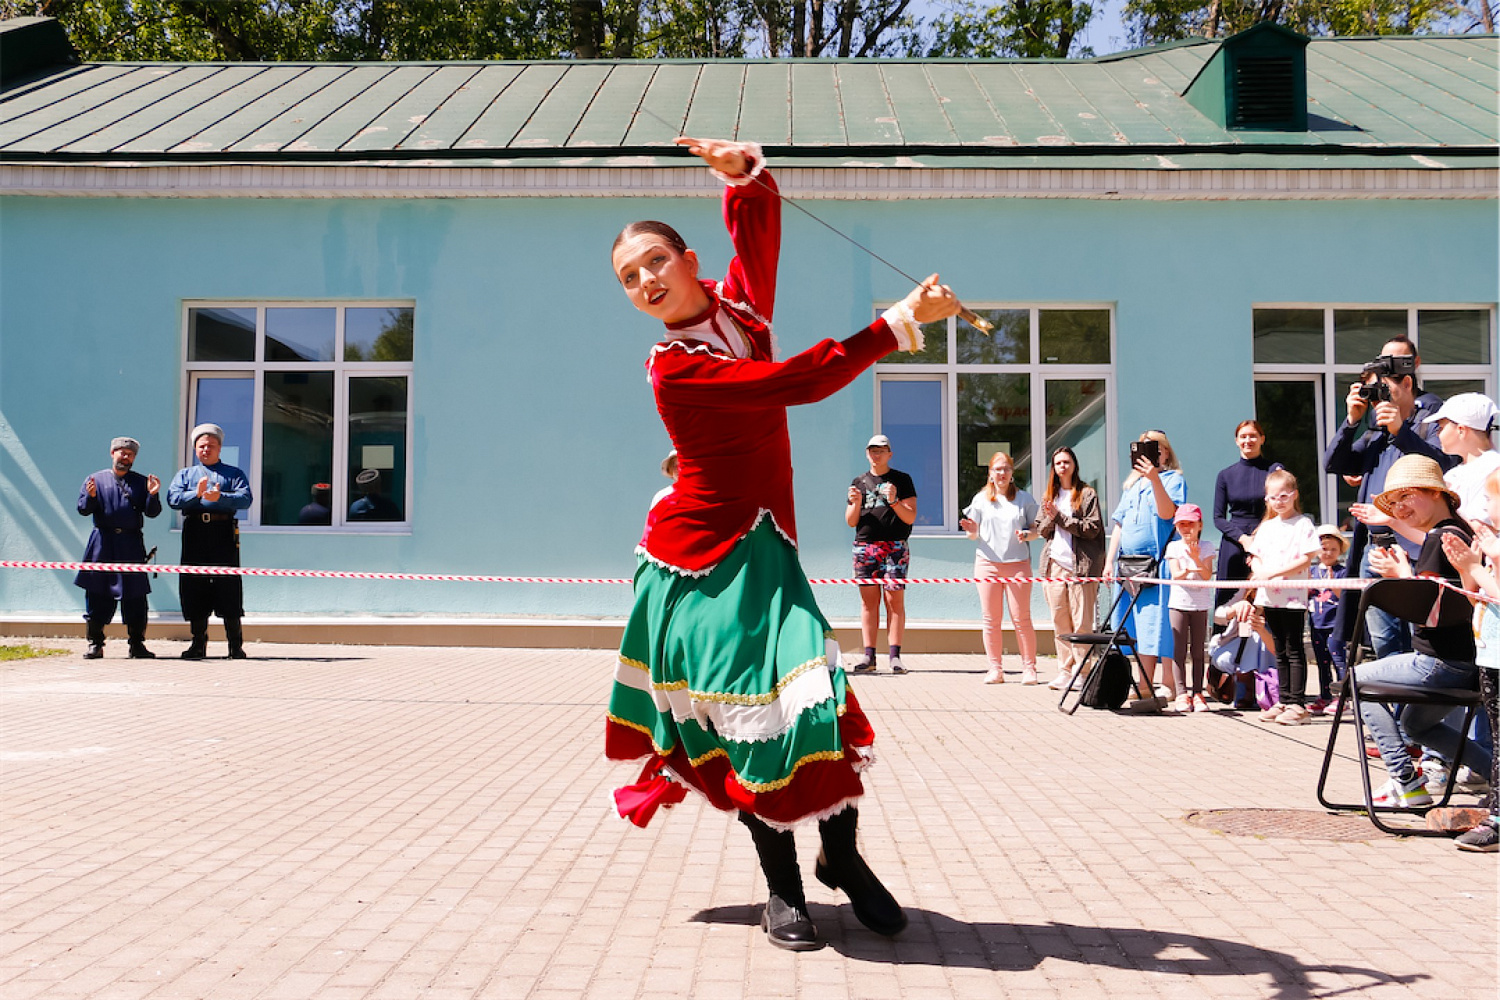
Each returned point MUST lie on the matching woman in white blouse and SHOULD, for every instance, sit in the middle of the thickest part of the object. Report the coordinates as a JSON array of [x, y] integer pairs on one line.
[[1000, 519]]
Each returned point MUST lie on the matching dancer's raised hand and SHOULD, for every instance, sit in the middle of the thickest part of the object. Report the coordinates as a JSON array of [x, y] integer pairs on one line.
[[931, 301], [724, 155]]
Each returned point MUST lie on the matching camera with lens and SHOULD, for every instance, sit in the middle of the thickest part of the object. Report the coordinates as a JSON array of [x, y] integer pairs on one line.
[[1384, 367]]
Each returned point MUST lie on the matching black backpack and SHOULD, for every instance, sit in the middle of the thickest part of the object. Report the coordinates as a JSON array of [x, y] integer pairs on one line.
[[1111, 686]]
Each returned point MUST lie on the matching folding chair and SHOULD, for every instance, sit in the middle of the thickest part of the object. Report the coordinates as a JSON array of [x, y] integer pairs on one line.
[[1085, 680], [1423, 602]]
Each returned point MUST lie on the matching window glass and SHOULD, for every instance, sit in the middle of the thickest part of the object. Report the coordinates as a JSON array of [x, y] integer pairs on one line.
[[911, 415], [1358, 334], [1447, 388], [1454, 336], [377, 449], [1288, 411], [1009, 344], [934, 348], [994, 414], [1074, 336], [378, 334], [1289, 336], [230, 403], [298, 442], [221, 334], [300, 334], [1076, 420]]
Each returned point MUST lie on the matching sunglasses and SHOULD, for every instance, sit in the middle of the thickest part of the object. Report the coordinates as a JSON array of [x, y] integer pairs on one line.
[[1405, 496], [1279, 497]]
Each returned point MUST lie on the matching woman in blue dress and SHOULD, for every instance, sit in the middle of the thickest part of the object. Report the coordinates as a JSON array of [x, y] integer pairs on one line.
[[1142, 527]]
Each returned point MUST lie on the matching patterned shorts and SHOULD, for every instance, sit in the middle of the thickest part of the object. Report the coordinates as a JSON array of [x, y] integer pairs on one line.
[[882, 561]]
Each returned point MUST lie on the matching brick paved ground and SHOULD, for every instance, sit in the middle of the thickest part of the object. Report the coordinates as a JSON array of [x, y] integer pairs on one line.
[[348, 823]]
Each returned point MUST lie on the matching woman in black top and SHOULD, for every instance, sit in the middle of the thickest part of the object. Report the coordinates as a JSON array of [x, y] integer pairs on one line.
[[1240, 504], [1442, 656]]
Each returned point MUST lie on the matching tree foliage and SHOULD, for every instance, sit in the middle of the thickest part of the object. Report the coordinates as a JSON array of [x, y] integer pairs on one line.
[[1152, 21]]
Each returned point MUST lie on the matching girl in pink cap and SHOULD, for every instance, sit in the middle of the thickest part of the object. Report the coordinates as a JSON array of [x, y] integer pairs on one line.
[[1190, 558]]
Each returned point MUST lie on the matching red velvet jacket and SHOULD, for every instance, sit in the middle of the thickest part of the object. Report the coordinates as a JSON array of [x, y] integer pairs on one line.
[[723, 398]]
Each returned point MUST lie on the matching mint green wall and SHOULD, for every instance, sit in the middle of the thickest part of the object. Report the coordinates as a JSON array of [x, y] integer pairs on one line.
[[536, 440]]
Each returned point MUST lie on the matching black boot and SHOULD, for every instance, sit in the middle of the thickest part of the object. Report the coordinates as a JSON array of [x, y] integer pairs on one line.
[[138, 650], [199, 647], [236, 637], [840, 867], [785, 919], [96, 646]]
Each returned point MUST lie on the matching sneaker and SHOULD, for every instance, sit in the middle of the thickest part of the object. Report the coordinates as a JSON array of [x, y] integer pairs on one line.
[[1394, 795], [1273, 713], [1199, 704], [1028, 675], [897, 667], [1319, 707], [1061, 681], [1483, 839], [1295, 715], [864, 667], [1472, 782], [1182, 703], [1435, 777], [995, 676]]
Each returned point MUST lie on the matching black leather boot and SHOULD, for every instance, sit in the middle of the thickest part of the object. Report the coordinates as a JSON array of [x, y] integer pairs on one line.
[[840, 867], [138, 650], [96, 644], [198, 649], [236, 636], [785, 918]]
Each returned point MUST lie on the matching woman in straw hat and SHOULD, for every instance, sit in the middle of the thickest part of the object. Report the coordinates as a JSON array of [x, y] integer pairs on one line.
[[1442, 656]]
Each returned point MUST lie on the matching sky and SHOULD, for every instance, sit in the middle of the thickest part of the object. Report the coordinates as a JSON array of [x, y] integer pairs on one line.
[[1105, 33]]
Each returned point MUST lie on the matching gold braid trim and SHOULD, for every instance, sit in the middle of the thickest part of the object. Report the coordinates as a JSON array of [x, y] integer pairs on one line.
[[640, 729], [725, 698], [627, 661], [768, 786]]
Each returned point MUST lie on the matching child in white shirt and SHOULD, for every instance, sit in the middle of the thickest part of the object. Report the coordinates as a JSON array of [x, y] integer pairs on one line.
[[1283, 547]]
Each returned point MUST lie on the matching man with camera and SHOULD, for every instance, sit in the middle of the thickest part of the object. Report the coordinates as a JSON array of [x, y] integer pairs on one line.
[[1388, 395]]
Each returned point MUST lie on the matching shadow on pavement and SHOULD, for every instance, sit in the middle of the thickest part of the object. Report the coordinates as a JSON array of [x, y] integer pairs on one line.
[[936, 939]]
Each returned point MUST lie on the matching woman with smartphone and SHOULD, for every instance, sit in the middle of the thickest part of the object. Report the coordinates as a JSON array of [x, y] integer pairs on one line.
[[1142, 527]]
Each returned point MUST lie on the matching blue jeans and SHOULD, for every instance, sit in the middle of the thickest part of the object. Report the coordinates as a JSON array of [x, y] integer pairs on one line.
[[1428, 725], [1388, 634]]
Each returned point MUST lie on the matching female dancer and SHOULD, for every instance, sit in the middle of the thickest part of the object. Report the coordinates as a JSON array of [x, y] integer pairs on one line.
[[728, 678]]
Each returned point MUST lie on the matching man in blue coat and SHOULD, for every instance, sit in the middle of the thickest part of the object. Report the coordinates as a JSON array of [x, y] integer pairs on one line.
[[209, 493], [119, 500]]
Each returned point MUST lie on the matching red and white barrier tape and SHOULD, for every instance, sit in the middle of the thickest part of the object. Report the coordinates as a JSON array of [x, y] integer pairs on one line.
[[340, 574]]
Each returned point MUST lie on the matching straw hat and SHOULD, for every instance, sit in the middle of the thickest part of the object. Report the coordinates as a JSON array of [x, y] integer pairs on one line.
[[1332, 531], [1413, 472]]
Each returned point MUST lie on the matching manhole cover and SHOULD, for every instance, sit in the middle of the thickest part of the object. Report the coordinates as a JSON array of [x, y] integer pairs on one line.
[[1296, 824]]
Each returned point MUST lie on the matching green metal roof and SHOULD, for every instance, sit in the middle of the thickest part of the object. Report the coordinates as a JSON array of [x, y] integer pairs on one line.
[[1366, 97]]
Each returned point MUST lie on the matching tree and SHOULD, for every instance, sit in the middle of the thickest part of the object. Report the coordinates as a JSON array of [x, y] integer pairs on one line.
[[1028, 28], [1149, 22]]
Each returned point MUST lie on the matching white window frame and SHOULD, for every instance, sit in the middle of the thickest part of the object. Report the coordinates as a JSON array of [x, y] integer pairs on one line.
[[342, 371], [1038, 372], [1335, 377]]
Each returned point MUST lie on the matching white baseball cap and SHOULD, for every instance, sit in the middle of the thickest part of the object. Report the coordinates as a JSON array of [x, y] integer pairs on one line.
[[879, 441], [1468, 409]]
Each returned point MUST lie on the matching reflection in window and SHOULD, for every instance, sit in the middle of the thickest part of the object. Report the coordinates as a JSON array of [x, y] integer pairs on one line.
[[298, 442], [911, 416], [1289, 336], [1076, 420], [1074, 336], [230, 403], [378, 334], [377, 449], [994, 414], [1009, 344], [1359, 334], [221, 334], [300, 334], [1289, 413], [1454, 336]]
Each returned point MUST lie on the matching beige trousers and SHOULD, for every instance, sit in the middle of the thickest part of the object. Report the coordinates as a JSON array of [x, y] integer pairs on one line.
[[1072, 607]]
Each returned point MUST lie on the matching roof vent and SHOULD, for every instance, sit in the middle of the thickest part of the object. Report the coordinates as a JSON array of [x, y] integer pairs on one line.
[[31, 46], [1256, 80]]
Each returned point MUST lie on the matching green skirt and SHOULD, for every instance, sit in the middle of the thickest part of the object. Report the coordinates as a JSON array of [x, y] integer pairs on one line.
[[733, 681]]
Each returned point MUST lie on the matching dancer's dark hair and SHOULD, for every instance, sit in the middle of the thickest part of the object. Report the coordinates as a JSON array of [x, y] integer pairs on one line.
[[666, 232]]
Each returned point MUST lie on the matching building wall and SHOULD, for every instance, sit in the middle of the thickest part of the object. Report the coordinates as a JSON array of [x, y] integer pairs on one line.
[[535, 441]]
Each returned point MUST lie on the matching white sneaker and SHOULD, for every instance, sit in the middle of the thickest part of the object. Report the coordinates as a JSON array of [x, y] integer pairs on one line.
[[995, 676], [1472, 782], [1028, 675], [1061, 681], [1394, 795]]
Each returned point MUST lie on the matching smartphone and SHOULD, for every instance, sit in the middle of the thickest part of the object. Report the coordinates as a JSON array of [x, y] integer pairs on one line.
[[1150, 449], [1381, 537]]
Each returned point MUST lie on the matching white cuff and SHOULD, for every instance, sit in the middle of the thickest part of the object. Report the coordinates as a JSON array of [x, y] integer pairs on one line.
[[905, 326], [758, 163]]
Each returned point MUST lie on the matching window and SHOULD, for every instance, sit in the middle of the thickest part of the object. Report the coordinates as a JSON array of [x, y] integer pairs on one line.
[[1306, 356], [314, 401], [1042, 380]]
